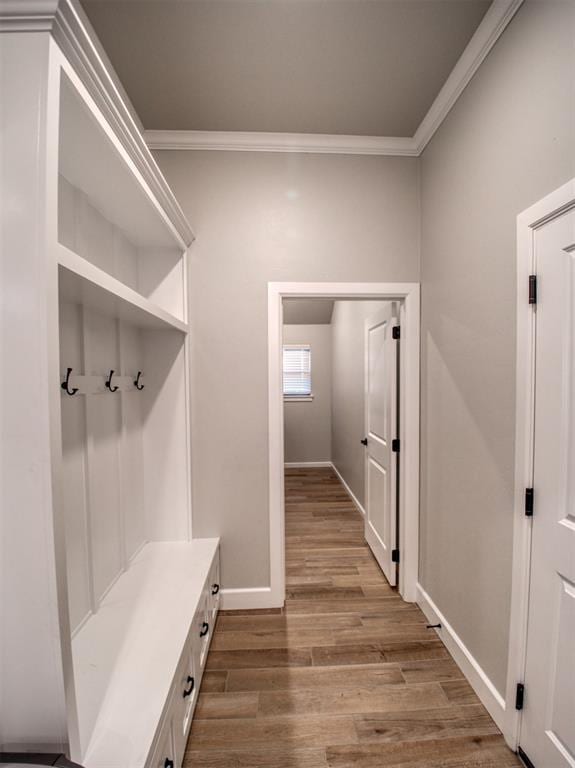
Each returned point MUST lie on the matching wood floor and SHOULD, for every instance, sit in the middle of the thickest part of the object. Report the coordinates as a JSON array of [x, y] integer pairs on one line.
[[346, 674]]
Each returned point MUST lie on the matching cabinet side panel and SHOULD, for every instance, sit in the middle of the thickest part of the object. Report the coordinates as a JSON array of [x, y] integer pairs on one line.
[[32, 702]]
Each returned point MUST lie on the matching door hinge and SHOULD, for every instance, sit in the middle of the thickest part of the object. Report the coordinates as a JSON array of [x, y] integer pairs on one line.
[[533, 289], [529, 502], [519, 696], [395, 445], [395, 555], [396, 332]]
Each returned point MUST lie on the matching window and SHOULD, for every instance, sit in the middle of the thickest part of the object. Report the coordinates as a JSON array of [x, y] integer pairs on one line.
[[297, 371]]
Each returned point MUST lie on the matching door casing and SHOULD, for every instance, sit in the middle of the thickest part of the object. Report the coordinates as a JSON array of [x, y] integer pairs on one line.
[[550, 207], [408, 294]]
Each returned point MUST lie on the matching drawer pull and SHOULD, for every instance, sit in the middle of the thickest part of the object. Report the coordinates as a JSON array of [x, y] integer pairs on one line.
[[168, 763], [205, 629], [188, 691], [215, 589]]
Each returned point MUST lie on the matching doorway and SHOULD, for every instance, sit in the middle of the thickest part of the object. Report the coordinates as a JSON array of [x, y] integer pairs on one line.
[[406, 297]]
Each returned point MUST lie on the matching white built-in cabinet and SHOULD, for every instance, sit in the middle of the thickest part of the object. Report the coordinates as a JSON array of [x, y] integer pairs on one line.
[[107, 601]]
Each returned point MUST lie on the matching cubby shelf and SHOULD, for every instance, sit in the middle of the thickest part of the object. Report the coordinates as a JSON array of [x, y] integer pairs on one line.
[[81, 282]]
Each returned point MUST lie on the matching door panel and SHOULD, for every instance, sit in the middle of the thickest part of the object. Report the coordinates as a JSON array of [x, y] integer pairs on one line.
[[380, 419], [548, 722], [377, 489]]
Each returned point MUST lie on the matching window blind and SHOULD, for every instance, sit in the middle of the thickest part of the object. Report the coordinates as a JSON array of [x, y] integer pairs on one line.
[[297, 370]]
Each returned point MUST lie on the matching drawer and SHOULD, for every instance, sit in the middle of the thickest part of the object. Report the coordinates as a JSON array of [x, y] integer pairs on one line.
[[201, 632], [164, 756], [184, 702], [214, 588]]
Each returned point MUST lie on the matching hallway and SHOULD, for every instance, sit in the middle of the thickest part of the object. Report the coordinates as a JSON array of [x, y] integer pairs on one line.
[[346, 674]]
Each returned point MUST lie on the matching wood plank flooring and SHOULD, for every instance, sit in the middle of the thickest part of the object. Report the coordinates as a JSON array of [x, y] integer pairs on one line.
[[346, 674]]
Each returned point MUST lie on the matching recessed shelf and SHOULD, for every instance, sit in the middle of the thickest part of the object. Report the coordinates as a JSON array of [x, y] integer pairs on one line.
[[81, 282], [94, 161]]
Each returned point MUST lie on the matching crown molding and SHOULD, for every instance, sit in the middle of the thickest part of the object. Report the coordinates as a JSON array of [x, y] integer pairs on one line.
[[67, 23], [498, 16], [281, 142], [486, 35]]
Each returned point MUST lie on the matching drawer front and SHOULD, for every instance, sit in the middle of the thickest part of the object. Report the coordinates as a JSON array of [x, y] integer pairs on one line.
[[184, 702], [201, 633], [165, 756], [214, 587]]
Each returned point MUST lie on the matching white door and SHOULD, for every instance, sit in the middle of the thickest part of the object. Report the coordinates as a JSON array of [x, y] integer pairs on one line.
[[548, 720], [381, 430]]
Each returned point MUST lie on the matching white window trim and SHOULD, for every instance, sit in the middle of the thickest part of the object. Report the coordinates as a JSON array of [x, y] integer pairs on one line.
[[298, 398]]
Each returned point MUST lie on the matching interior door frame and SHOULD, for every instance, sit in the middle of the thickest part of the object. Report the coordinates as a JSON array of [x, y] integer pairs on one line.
[[550, 207], [408, 294]]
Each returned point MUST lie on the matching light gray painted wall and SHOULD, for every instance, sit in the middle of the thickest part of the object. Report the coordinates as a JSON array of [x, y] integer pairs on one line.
[[508, 142], [348, 390], [261, 217], [307, 424]]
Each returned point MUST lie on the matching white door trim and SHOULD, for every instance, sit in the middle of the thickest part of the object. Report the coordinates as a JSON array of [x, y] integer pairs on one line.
[[408, 294], [550, 207]]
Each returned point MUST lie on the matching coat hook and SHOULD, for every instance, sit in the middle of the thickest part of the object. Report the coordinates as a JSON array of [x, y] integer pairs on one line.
[[109, 382], [137, 382], [65, 384]]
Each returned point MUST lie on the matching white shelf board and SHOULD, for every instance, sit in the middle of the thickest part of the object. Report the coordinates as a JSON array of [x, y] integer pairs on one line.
[[93, 159], [126, 654], [81, 282]]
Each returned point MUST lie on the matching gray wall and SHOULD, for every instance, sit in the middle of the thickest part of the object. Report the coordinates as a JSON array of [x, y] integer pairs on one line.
[[307, 423], [260, 217], [348, 390], [508, 142]]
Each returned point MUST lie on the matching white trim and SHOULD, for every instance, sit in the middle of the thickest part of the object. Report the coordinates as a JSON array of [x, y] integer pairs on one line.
[[308, 464], [257, 141], [486, 35], [528, 221], [409, 295], [66, 21], [298, 398], [247, 599], [490, 697], [348, 489]]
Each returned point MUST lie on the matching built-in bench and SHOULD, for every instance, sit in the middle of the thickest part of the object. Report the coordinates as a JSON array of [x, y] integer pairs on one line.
[[138, 661]]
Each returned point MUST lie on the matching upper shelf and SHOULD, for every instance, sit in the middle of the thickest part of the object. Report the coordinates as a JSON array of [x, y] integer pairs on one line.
[[93, 160], [84, 283]]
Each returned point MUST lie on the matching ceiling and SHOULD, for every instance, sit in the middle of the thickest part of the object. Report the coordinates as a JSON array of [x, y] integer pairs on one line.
[[357, 67], [308, 311]]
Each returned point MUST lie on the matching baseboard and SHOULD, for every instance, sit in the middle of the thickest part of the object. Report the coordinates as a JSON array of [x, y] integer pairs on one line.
[[244, 599], [306, 464], [348, 489], [492, 700]]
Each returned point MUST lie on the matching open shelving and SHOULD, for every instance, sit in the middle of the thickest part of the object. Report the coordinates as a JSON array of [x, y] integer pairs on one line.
[[107, 595], [83, 283]]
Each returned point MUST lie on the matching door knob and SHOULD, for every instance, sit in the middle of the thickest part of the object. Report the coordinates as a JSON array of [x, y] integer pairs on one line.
[[364, 441]]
